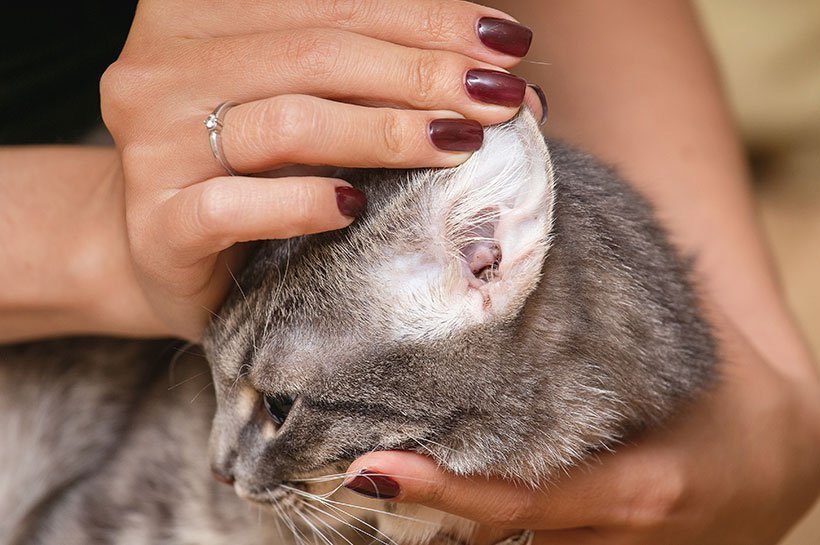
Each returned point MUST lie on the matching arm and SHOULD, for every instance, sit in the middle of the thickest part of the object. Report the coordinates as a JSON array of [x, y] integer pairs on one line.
[[65, 251]]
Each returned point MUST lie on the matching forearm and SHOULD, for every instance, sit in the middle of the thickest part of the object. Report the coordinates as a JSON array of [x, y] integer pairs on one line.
[[66, 268], [657, 113]]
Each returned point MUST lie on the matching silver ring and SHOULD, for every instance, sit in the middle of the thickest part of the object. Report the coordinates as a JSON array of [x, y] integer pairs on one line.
[[214, 125]]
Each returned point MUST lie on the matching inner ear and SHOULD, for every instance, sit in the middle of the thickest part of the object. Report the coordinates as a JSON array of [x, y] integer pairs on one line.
[[480, 250]]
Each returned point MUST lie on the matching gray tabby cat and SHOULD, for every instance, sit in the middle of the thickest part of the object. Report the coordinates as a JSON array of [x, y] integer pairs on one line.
[[507, 317]]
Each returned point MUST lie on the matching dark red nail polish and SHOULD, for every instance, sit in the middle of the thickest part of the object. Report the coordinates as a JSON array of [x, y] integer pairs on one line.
[[495, 87], [504, 36], [542, 98], [374, 485], [351, 202], [456, 134]]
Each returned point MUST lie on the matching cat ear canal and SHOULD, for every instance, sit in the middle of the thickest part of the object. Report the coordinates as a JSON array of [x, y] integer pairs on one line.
[[497, 215]]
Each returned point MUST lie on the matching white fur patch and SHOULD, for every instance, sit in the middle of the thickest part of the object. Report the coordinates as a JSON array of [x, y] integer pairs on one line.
[[510, 180]]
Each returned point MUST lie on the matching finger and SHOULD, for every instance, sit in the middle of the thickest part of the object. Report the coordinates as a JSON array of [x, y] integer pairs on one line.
[[349, 67], [620, 490], [300, 129], [476, 31], [306, 130], [208, 217]]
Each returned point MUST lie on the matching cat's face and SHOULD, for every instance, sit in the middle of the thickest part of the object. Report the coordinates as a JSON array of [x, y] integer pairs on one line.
[[393, 334]]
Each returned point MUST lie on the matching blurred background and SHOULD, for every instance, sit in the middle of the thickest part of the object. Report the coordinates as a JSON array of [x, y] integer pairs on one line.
[[769, 55]]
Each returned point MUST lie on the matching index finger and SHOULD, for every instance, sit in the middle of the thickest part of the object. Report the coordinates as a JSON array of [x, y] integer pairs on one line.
[[479, 32], [596, 496]]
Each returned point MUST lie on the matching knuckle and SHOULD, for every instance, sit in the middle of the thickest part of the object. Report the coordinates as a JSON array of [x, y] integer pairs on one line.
[[652, 508], [120, 84], [314, 53], [428, 71], [291, 119], [436, 22], [394, 138], [519, 512], [211, 211], [342, 12], [437, 494]]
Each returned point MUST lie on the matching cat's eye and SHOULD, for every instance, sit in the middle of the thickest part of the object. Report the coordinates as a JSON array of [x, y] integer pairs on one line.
[[278, 407]]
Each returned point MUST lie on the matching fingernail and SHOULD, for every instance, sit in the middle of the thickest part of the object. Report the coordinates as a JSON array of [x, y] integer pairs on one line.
[[495, 87], [504, 36], [374, 485], [456, 134], [351, 202], [543, 99]]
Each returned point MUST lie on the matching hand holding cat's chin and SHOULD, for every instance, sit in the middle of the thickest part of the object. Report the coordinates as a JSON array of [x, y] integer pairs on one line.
[[726, 471]]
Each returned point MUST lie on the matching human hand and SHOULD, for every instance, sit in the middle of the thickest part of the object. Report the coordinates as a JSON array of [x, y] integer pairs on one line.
[[739, 467], [322, 82]]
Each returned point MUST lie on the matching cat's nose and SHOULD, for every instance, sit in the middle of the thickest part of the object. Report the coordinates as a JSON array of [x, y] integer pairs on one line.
[[222, 478]]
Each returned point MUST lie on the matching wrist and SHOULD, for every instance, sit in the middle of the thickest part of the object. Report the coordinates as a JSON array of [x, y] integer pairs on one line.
[[67, 267]]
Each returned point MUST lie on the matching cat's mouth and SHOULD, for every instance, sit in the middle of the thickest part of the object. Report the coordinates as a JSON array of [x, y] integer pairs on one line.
[[318, 501], [316, 486]]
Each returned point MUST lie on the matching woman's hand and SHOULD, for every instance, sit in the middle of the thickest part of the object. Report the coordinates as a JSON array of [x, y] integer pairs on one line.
[[739, 467], [355, 83]]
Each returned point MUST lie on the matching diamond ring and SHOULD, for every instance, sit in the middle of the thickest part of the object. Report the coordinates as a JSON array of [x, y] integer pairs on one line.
[[214, 125]]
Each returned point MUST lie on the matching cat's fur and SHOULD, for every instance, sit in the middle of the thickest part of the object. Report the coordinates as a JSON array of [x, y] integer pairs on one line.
[[506, 317]]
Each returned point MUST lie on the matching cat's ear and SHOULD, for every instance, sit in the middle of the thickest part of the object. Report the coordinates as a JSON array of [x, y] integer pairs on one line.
[[496, 214], [489, 225]]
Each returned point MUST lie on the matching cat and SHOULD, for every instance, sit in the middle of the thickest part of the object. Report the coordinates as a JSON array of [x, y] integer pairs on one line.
[[507, 317]]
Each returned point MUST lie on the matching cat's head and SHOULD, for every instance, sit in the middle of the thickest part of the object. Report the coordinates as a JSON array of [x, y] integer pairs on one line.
[[393, 333]]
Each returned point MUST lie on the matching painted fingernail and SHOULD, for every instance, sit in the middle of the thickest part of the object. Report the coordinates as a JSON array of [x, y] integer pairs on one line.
[[374, 485], [543, 99], [456, 134], [504, 36], [351, 202], [495, 87]]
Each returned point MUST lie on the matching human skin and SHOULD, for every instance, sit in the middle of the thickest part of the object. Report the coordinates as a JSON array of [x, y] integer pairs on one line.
[[741, 465]]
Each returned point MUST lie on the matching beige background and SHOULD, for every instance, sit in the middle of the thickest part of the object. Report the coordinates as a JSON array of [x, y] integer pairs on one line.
[[769, 54]]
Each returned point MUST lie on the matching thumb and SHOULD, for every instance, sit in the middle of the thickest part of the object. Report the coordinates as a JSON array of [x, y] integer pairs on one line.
[[407, 477]]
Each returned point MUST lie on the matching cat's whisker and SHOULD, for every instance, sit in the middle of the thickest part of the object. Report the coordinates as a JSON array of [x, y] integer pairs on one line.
[[426, 449], [276, 521], [355, 528], [357, 519], [294, 530], [324, 495], [212, 313], [540, 63], [244, 369], [437, 444], [247, 304], [201, 390], [187, 380], [336, 502], [329, 526], [314, 528], [179, 352], [336, 476], [277, 515]]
